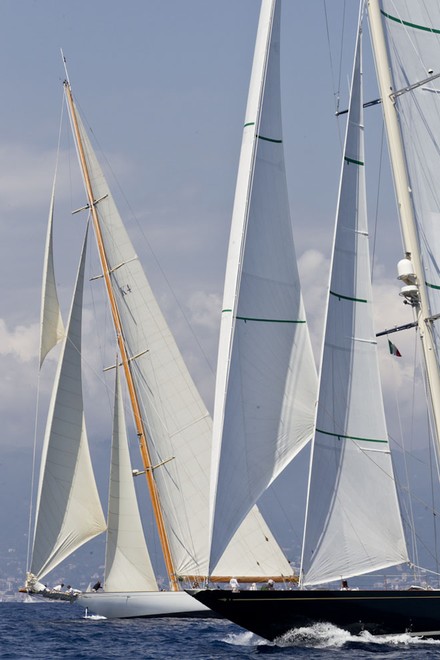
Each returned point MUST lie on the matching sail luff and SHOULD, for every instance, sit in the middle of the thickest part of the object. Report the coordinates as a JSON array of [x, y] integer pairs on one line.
[[353, 524], [68, 509], [177, 424], [158, 513], [51, 323], [127, 562], [405, 185], [266, 377]]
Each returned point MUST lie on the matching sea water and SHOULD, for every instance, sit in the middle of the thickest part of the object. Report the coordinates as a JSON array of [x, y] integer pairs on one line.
[[60, 630]]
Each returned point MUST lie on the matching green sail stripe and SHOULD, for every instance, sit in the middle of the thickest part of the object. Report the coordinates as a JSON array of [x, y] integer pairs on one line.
[[250, 123], [352, 160], [249, 318], [261, 137], [350, 437], [432, 286], [408, 24], [339, 295]]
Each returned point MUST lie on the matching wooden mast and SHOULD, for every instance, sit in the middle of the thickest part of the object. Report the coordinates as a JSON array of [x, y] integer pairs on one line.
[[123, 352]]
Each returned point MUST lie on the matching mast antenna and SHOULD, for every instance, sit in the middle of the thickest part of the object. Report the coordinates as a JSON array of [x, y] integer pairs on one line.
[[65, 66]]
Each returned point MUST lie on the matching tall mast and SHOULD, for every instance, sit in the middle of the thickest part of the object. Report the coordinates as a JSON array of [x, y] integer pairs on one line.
[[420, 303], [121, 344]]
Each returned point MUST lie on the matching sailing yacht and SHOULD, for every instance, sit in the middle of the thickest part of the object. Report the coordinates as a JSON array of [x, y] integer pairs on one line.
[[174, 432], [353, 522]]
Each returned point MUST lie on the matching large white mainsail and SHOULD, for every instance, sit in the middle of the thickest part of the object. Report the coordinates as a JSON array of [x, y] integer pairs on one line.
[[178, 426], [51, 323], [353, 523], [127, 562], [69, 512], [266, 378], [406, 43]]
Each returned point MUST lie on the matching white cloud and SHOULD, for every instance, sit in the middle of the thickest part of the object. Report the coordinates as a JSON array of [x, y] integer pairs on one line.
[[21, 341]]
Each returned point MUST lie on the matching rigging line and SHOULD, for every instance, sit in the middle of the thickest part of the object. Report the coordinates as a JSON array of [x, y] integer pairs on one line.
[[335, 94], [153, 254], [409, 503], [34, 450], [434, 518], [376, 215]]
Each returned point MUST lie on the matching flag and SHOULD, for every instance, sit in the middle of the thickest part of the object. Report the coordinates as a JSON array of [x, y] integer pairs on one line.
[[393, 349]]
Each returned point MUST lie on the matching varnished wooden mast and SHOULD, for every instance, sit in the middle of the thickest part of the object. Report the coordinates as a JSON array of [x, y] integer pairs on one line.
[[124, 357]]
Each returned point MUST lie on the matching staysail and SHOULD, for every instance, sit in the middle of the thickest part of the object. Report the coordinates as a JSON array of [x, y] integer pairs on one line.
[[69, 512], [176, 421], [353, 523], [266, 377], [51, 323], [127, 562]]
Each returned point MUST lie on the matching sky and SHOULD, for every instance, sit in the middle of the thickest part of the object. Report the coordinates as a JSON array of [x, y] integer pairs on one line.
[[163, 85]]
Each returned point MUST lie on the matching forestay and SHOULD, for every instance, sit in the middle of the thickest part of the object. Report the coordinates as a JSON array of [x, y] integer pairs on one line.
[[412, 36], [69, 512], [266, 377], [127, 562], [178, 426], [353, 522]]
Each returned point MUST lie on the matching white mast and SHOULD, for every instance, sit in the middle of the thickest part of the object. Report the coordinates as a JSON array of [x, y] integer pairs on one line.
[[419, 298]]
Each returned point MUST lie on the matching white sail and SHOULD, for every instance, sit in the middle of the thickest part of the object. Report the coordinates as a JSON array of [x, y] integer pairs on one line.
[[406, 42], [266, 378], [69, 512], [127, 562], [178, 425], [51, 323], [353, 523]]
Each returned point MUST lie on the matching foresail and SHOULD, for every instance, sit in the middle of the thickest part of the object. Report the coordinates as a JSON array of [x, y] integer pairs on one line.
[[178, 425], [51, 324], [127, 562], [353, 523], [409, 35], [69, 512], [266, 378]]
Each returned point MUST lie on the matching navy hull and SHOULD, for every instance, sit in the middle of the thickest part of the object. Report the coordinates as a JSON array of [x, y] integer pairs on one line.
[[271, 614]]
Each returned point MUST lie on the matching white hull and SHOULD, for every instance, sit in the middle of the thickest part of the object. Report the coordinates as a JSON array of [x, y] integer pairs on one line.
[[143, 604]]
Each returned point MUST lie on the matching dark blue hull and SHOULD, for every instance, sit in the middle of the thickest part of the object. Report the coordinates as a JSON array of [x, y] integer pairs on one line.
[[271, 614]]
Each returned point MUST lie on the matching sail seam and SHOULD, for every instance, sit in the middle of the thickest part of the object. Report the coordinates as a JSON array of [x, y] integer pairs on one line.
[[350, 437], [409, 24], [340, 296]]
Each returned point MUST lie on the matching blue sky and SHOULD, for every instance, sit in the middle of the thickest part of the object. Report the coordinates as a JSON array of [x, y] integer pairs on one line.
[[163, 84]]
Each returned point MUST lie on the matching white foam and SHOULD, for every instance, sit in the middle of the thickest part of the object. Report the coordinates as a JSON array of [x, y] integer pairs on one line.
[[325, 635], [245, 639]]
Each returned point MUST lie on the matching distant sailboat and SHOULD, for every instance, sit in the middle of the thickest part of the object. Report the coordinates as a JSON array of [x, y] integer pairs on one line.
[[353, 522], [174, 430]]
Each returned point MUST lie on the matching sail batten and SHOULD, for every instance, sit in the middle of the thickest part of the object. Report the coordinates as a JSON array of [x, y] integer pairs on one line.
[[266, 379], [176, 421]]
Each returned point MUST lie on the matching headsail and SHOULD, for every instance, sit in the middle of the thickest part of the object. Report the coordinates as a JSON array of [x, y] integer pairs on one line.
[[51, 324], [353, 521], [266, 377], [127, 562], [176, 421], [69, 512], [406, 43]]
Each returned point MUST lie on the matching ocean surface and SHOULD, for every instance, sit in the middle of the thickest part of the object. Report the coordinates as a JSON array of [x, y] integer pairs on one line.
[[60, 630]]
